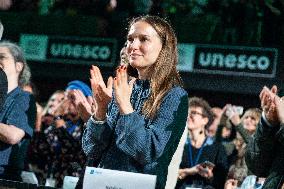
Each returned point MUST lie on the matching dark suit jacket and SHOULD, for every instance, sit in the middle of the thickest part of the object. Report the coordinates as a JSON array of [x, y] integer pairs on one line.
[[265, 154]]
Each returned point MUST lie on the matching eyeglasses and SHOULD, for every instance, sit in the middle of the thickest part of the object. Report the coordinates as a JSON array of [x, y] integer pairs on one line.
[[193, 113]]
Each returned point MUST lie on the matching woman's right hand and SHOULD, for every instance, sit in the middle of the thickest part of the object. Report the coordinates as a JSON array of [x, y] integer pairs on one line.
[[102, 93], [232, 114]]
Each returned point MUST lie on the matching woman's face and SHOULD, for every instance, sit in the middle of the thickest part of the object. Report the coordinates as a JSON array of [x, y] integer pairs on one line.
[[226, 132], [196, 119], [250, 123], [54, 101], [239, 141], [143, 46], [7, 63]]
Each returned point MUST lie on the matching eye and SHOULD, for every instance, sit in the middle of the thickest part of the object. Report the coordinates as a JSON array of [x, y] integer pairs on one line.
[[143, 39], [252, 118], [130, 39]]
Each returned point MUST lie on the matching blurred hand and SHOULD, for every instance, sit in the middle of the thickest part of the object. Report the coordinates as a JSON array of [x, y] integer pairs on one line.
[[5, 4], [279, 104], [231, 184], [232, 114], [218, 113], [81, 103], [123, 90], [102, 93], [268, 105], [206, 172], [62, 108], [183, 173], [113, 4]]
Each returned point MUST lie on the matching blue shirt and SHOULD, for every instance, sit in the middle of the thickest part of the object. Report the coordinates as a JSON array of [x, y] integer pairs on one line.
[[19, 110], [134, 143]]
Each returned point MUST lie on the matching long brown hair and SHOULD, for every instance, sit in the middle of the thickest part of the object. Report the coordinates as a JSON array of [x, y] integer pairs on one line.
[[163, 74]]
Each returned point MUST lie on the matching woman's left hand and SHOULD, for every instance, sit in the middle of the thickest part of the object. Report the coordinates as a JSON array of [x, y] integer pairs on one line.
[[123, 90]]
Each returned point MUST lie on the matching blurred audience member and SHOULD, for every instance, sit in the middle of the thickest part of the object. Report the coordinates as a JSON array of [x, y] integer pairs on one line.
[[217, 115], [40, 152], [238, 169], [226, 134], [56, 152], [235, 178], [246, 125], [200, 148], [53, 102], [264, 155], [29, 87]]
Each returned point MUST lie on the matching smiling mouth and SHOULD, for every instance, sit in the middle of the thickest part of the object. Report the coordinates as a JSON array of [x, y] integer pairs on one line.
[[135, 55]]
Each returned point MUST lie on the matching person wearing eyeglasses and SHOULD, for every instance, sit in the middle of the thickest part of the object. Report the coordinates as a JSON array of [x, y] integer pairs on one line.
[[17, 117], [204, 161]]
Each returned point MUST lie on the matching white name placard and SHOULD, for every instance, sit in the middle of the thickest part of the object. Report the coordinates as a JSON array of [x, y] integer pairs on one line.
[[70, 182], [110, 179]]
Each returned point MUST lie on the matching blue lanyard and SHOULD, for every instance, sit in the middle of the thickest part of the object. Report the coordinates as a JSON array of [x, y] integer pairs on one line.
[[190, 154]]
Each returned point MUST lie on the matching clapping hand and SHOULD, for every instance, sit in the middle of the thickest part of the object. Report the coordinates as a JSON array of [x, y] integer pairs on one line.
[[123, 90], [267, 97], [279, 104], [82, 104], [102, 93]]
